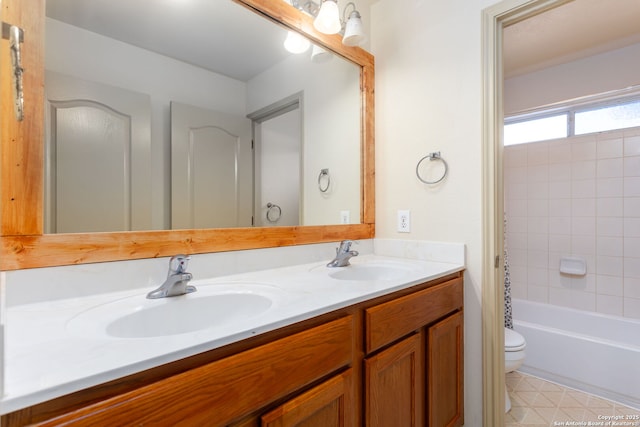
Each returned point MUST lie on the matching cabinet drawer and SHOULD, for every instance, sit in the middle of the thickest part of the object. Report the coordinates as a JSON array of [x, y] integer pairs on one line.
[[226, 389], [392, 320]]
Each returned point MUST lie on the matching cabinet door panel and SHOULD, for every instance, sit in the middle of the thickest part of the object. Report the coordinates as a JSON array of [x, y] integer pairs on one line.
[[394, 383], [329, 404], [445, 368]]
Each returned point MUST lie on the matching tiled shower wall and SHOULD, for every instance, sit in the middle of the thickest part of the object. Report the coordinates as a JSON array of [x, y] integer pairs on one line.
[[577, 196]]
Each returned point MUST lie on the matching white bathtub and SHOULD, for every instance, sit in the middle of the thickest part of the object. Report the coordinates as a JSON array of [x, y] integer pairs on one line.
[[592, 352]]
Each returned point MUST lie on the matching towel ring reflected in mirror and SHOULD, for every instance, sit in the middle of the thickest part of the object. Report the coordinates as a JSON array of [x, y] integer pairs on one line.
[[432, 157], [274, 212], [323, 187]]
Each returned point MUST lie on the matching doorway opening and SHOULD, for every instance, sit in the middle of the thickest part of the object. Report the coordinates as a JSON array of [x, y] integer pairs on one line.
[[277, 159], [495, 20]]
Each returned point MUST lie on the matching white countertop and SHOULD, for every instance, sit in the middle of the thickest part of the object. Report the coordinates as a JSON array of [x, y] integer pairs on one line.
[[47, 355]]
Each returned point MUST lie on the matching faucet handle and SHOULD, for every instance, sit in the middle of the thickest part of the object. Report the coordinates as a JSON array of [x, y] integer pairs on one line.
[[346, 244], [178, 264], [344, 247]]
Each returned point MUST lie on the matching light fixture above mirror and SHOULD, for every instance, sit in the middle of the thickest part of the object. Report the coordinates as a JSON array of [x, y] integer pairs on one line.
[[327, 20]]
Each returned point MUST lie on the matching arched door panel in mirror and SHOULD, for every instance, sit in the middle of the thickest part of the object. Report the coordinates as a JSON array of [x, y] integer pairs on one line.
[[211, 169], [97, 157]]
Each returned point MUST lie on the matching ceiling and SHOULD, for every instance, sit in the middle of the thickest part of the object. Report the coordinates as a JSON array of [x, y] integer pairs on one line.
[[218, 35], [569, 32]]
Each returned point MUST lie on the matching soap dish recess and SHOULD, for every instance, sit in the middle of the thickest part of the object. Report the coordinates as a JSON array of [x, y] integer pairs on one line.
[[575, 266]]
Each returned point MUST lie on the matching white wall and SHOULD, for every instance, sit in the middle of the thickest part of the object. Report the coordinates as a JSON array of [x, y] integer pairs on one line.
[[617, 69], [428, 98]]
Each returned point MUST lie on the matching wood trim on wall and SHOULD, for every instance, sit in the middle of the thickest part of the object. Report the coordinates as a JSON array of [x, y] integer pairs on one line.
[[22, 242], [81, 248], [493, 380], [21, 142]]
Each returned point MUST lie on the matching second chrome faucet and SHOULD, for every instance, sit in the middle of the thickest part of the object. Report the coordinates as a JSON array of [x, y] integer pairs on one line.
[[177, 279], [343, 254]]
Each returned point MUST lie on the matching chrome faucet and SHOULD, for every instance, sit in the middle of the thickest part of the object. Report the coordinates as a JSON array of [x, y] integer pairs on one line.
[[343, 254], [177, 279]]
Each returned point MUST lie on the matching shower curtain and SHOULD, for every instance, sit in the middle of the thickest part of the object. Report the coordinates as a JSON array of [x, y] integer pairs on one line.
[[508, 318]]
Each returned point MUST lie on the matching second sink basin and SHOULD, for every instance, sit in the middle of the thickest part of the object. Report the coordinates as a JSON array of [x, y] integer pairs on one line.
[[211, 306], [372, 271]]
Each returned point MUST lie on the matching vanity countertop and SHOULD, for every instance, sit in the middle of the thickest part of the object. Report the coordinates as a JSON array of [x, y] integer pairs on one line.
[[47, 355]]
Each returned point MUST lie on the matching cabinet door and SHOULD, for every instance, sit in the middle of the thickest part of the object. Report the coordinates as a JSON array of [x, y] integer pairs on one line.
[[394, 384], [445, 373], [329, 404]]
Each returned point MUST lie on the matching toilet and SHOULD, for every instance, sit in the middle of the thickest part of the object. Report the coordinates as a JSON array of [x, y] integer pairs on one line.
[[514, 345]]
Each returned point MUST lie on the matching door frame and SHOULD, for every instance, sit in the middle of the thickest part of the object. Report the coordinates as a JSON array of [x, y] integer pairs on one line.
[[494, 19], [285, 105]]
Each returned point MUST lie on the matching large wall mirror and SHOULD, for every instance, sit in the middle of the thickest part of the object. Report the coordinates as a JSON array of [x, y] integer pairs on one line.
[[193, 115], [187, 128]]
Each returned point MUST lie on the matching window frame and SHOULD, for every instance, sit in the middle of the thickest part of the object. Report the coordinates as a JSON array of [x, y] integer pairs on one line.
[[572, 107]]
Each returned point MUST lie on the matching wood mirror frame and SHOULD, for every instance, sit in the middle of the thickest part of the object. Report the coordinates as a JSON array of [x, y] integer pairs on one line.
[[22, 242]]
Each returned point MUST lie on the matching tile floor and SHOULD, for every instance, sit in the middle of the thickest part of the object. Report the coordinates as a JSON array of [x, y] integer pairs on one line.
[[539, 403]]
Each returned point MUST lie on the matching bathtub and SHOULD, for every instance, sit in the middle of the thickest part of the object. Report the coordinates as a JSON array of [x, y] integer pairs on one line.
[[592, 352]]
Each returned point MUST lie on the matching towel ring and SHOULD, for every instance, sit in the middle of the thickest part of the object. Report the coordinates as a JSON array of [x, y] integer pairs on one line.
[[271, 207], [323, 173], [432, 156]]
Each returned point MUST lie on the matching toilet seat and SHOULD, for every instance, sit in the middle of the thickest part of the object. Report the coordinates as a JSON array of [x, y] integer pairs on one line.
[[513, 341]]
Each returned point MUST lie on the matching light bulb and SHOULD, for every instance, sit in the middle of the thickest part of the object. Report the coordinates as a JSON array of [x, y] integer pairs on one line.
[[328, 19], [296, 43]]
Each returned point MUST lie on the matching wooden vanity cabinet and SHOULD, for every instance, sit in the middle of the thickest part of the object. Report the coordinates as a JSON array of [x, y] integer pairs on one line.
[[395, 360], [219, 392], [414, 363]]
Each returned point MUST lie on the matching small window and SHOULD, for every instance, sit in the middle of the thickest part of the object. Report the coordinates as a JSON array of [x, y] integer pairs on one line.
[[608, 118], [595, 113], [539, 129]]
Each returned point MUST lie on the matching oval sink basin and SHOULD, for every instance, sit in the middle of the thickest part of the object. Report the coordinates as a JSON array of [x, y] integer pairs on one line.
[[372, 272], [188, 315], [208, 307]]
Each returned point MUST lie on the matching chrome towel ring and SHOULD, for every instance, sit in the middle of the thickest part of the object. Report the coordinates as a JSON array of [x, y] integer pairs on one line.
[[324, 173], [432, 156], [274, 212]]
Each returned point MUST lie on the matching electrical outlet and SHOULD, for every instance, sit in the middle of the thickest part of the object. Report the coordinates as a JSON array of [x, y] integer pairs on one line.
[[404, 221], [345, 217]]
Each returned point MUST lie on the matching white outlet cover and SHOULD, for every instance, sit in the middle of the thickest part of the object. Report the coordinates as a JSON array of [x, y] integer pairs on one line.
[[404, 221]]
